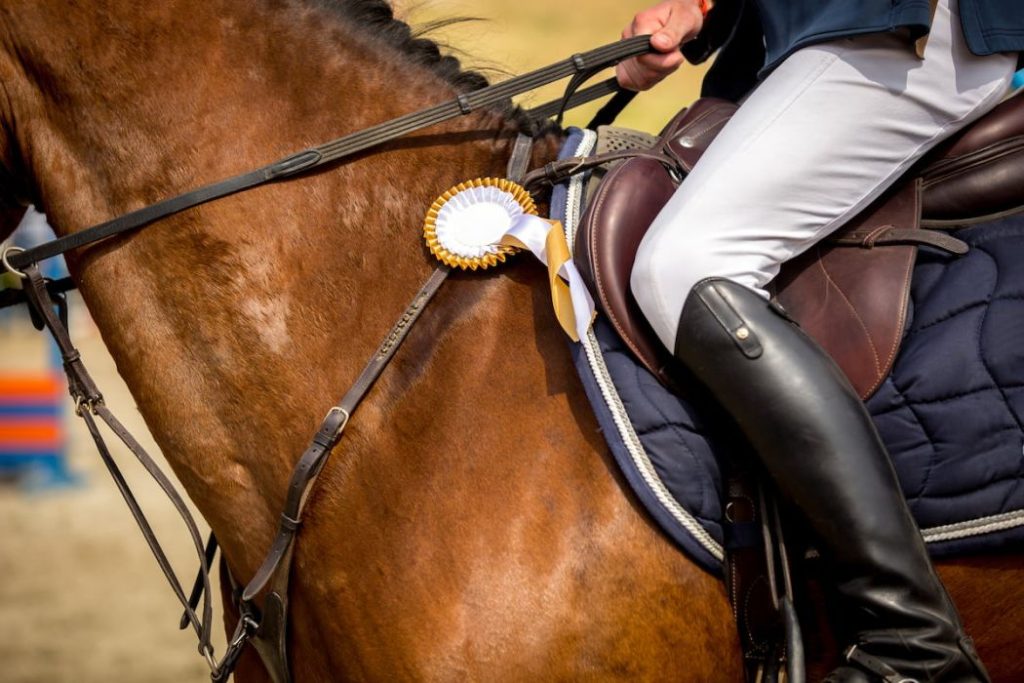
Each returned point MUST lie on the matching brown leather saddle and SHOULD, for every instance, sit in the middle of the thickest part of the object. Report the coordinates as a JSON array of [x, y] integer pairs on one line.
[[851, 292]]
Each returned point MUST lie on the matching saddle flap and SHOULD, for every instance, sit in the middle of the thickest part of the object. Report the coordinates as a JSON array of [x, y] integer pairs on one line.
[[853, 300], [618, 215]]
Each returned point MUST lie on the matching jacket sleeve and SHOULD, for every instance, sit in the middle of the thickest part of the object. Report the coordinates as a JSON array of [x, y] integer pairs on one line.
[[718, 27], [733, 29]]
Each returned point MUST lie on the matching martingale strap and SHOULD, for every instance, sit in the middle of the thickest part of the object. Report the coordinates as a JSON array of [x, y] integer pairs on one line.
[[272, 578], [268, 628]]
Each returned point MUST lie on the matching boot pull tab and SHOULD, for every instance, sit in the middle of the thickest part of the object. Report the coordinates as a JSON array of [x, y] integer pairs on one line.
[[731, 321]]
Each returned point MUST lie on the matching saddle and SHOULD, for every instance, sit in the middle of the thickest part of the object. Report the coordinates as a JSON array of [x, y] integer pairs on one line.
[[851, 292]]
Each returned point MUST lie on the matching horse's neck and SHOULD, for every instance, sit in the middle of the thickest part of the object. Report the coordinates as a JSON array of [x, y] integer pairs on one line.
[[237, 325]]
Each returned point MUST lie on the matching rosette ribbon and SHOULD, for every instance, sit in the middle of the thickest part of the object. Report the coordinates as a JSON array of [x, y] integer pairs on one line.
[[477, 224], [574, 307]]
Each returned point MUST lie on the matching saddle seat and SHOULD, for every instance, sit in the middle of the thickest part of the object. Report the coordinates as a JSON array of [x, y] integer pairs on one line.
[[850, 294]]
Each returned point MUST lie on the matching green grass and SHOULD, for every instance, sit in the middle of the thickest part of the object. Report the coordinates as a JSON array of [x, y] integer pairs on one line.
[[520, 35]]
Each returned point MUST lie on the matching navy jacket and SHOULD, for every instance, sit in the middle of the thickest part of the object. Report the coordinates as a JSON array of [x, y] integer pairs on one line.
[[758, 34], [989, 25]]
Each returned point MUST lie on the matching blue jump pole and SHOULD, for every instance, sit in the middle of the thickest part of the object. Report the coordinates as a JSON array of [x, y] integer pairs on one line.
[[33, 404]]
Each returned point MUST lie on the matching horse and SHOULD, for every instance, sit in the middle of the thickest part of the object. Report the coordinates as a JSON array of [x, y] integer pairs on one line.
[[472, 524]]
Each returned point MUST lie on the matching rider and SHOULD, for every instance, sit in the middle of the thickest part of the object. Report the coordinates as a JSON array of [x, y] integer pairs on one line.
[[848, 96]]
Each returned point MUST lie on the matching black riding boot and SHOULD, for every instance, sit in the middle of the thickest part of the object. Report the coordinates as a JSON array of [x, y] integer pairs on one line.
[[815, 438]]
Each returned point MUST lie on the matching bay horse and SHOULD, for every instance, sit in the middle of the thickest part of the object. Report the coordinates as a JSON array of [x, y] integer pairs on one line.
[[472, 525]]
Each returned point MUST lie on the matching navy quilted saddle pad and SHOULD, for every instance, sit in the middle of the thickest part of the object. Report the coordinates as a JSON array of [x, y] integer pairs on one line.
[[951, 413]]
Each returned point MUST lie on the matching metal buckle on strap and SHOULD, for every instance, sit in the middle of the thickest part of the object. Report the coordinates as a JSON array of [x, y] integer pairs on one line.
[[332, 415], [5, 256], [876, 666], [222, 670], [331, 428]]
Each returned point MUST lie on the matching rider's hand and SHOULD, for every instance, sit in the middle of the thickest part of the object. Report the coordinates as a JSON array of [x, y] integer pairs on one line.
[[670, 23]]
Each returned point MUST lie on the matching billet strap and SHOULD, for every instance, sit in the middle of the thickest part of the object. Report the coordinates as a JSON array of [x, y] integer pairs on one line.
[[581, 66], [890, 234], [89, 405]]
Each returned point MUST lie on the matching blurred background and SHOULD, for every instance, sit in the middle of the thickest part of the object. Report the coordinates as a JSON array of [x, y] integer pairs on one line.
[[81, 598]]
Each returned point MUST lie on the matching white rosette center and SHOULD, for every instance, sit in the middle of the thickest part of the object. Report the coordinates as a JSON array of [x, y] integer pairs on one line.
[[471, 224]]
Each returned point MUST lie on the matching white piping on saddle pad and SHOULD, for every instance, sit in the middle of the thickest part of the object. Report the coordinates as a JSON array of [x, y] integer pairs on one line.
[[970, 528], [974, 527], [644, 466]]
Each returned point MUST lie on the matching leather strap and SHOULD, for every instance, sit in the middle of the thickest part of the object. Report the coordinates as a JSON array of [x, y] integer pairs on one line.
[[550, 109], [88, 405], [607, 114], [199, 585], [557, 171], [516, 172], [16, 297], [582, 66], [522, 150], [327, 436], [876, 666], [891, 234], [273, 575]]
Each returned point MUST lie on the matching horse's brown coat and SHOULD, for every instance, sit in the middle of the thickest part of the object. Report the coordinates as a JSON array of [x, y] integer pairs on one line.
[[470, 525]]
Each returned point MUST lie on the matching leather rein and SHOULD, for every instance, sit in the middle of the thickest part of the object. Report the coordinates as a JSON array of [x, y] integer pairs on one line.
[[264, 623]]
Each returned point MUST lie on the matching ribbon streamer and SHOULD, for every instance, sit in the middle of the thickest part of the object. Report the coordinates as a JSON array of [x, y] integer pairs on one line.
[[574, 307], [476, 224]]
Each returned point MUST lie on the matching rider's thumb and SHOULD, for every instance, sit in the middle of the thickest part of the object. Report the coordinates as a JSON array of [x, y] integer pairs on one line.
[[666, 39]]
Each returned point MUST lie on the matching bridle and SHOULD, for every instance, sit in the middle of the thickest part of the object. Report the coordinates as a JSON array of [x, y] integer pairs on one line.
[[264, 623]]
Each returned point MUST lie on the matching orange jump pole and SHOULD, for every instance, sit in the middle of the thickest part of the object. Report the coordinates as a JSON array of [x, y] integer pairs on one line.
[[33, 443]]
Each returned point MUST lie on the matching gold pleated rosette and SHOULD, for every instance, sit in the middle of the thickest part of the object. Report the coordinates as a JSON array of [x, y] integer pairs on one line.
[[465, 225], [477, 224]]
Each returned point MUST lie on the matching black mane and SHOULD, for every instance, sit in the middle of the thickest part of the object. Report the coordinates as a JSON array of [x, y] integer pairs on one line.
[[378, 18]]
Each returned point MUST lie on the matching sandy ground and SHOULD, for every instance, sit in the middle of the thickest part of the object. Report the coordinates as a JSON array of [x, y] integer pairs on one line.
[[81, 599]]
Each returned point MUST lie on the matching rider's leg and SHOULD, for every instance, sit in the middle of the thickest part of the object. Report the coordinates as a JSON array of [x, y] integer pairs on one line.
[[820, 138], [814, 436], [825, 134]]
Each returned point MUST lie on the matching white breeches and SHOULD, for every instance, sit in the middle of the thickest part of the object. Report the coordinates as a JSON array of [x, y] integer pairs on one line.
[[824, 135]]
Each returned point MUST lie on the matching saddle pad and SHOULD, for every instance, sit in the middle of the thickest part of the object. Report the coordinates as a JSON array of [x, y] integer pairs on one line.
[[951, 412]]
